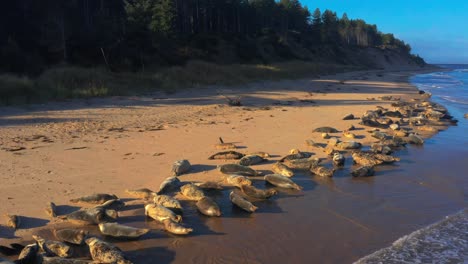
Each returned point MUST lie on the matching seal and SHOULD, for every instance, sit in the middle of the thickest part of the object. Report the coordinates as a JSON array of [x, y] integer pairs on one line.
[[326, 129], [53, 248], [237, 169], [363, 171], [348, 117], [338, 159], [73, 236], [210, 185], [175, 228], [103, 252], [115, 204], [348, 145], [281, 181], [253, 192], [13, 221], [180, 167], [237, 180], [242, 203], [28, 254], [142, 193], [159, 213], [208, 207], [282, 169], [51, 209], [381, 148], [121, 231], [97, 198], [348, 134], [226, 155], [262, 154], [295, 154], [224, 145], [302, 164], [170, 183], [192, 192], [415, 139], [168, 202], [365, 159], [322, 171], [379, 135], [90, 216], [251, 160]]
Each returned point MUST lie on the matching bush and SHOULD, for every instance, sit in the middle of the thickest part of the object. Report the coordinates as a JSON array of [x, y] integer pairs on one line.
[[14, 89]]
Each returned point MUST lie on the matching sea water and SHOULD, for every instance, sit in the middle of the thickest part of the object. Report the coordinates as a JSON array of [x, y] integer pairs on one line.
[[447, 240]]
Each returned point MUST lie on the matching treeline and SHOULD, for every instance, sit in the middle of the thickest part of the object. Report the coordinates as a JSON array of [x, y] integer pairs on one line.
[[137, 34]]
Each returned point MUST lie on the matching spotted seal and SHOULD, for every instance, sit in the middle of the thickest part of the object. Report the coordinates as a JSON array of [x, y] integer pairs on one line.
[[143, 193], [168, 202], [363, 171], [90, 216], [251, 160], [175, 228], [97, 198], [242, 203], [338, 159], [53, 248], [253, 192], [281, 181], [73, 236], [121, 231], [159, 213], [282, 169], [103, 252], [180, 167], [192, 192], [326, 129], [237, 180], [226, 155], [210, 185], [170, 183], [237, 169], [322, 171], [208, 207]]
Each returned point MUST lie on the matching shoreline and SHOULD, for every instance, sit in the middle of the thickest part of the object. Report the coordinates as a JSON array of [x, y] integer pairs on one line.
[[144, 138]]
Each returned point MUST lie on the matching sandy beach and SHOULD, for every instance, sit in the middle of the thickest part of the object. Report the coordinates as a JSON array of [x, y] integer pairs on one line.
[[63, 150]]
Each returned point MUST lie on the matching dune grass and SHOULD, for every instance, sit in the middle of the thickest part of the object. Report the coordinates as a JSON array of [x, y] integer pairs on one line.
[[76, 82]]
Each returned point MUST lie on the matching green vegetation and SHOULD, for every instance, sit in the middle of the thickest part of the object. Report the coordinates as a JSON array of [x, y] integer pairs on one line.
[[73, 82]]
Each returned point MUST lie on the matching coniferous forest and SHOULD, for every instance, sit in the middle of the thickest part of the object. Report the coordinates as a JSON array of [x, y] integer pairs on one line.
[[134, 34]]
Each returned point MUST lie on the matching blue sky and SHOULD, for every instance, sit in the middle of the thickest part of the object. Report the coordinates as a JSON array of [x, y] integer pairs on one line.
[[437, 30]]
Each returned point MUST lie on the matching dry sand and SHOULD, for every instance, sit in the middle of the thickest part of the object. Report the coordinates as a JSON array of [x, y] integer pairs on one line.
[[64, 150]]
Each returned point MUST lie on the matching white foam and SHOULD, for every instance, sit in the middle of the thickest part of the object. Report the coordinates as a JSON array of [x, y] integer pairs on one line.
[[443, 242]]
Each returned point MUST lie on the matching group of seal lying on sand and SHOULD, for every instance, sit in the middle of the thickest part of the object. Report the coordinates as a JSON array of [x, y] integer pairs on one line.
[[391, 129]]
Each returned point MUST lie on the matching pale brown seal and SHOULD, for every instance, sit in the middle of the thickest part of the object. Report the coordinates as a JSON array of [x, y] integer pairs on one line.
[[208, 207], [363, 171], [143, 193], [242, 203], [249, 160], [167, 201], [192, 192], [122, 231], [322, 171], [159, 213], [237, 180], [281, 181], [282, 169], [175, 228], [253, 192]]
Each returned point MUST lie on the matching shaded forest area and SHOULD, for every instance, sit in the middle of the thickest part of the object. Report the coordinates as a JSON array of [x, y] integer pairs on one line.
[[134, 35]]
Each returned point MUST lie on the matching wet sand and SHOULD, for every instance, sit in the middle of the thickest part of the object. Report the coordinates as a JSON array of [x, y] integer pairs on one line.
[[109, 145]]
